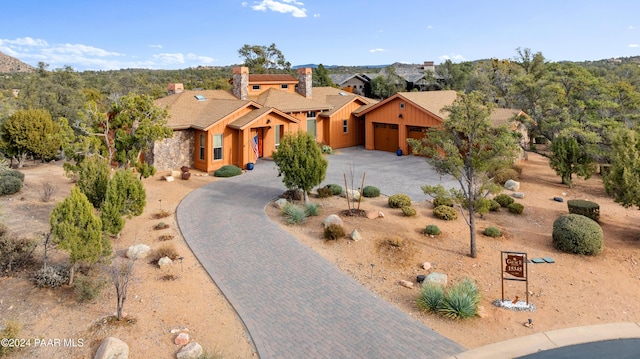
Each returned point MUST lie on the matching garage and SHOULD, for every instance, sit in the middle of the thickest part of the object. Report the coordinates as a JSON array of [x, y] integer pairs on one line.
[[415, 132], [385, 137]]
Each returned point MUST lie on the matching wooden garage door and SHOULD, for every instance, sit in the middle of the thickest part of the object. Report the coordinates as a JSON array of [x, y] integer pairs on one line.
[[385, 137], [416, 133]]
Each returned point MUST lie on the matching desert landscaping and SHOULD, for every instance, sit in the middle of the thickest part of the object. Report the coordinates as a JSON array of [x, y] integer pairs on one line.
[[181, 298]]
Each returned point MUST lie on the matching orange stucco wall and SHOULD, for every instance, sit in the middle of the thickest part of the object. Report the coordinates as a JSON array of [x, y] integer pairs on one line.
[[390, 113]]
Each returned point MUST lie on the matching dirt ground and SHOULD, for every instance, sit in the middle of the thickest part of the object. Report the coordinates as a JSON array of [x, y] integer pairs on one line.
[[574, 291]]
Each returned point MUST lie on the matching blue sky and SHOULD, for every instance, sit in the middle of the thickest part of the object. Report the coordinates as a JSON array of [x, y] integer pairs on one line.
[[161, 34]]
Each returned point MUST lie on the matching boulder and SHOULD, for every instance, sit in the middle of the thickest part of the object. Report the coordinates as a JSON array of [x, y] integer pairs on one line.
[[406, 284], [181, 339], [517, 195], [372, 214], [280, 203], [332, 219], [354, 194], [355, 235], [192, 350], [169, 179], [164, 261], [380, 215], [438, 278], [175, 173], [112, 348], [138, 251], [426, 265], [512, 185]]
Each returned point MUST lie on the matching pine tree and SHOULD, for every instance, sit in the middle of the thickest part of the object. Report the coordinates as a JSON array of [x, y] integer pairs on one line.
[[93, 177], [78, 230], [125, 196], [623, 180]]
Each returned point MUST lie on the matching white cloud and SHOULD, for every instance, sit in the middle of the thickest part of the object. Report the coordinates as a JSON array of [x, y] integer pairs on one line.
[[155, 46], [631, 27], [244, 4], [316, 15], [282, 6], [79, 50], [179, 58], [429, 27], [453, 57], [633, 45], [377, 50]]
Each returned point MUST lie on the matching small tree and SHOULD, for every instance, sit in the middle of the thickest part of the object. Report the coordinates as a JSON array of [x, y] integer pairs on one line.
[[78, 230], [573, 151], [300, 160], [121, 273], [93, 177], [623, 180], [125, 196], [467, 147], [30, 132]]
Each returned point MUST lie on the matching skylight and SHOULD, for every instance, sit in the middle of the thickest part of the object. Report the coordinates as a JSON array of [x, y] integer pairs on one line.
[[342, 94], [200, 98]]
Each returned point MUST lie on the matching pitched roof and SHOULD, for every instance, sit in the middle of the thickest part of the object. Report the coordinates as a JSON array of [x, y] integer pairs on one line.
[[290, 102], [186, 111], [337, 98], [431, 101], [504, 116], [269, 78], [247, 119], [339, 79]]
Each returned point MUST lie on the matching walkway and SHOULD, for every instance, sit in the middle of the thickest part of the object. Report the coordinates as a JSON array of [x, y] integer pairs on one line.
[[294, 303]]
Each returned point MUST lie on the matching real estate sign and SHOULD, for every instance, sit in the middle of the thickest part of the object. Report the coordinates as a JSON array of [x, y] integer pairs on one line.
[[514, 268]]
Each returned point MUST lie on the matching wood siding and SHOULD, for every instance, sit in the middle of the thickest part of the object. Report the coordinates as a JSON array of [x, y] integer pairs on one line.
[[333, 129]]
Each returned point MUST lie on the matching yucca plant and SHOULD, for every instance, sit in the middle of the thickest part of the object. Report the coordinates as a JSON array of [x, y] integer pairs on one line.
[[293, 214], [461, 301], [431, 297]]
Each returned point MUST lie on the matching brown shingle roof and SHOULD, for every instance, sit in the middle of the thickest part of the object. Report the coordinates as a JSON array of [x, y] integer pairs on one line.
[[248, 118], [504, 116], [271, 78], [432, 101], [337, 98], [290, 102]]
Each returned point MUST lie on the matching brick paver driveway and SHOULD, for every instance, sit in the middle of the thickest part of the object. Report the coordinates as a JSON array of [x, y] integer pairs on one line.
[[294, 303]]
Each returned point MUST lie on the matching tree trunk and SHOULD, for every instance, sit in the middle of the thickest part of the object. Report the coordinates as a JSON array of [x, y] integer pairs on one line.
[[306, 197], [72, 271], [472, 229]]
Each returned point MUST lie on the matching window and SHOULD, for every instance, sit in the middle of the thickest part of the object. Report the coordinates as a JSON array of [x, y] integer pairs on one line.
[[201, 146], [284, 86], [311, 123], [279, 134], [402, 105], [255, 87], [345, 126], [201, 97], [217, 147]]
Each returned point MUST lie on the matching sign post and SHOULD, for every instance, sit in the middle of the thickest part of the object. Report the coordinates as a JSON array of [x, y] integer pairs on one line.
[[514, 267]]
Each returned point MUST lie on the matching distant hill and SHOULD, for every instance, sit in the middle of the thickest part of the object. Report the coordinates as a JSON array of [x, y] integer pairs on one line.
[[11, 64]]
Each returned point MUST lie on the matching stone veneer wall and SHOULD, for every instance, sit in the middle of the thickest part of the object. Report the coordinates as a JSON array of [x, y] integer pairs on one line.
[[173, 153], [305, 82]]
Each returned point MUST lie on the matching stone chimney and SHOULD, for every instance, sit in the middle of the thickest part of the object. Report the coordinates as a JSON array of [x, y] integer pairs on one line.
[[241, 82], [429, 66], [305, 82], [175, 88]]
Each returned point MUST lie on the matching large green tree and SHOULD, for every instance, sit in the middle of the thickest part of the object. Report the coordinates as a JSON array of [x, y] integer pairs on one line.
[[468, 147], [125, 196], [30, 132], [299, 158], [387, 84], [93, 177], [262, 59], [574, 151], [623, 180], [78, 230], [321, 77]]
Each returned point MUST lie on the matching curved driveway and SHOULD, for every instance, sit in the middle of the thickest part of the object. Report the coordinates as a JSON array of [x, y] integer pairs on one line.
[[294, 303]]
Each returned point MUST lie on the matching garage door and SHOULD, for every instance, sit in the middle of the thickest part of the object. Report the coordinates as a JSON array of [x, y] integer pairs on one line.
[[415, 132], [385, 137]]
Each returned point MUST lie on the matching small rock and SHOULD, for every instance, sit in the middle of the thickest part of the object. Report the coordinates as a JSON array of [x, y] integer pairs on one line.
[[558, 199], [175, 173], [406, 284], [192, 350], [372, 214], [438, 278], [332, 219], [164, 261], [177, 330], [512, 185], [112, 348], [355, 235], [426, 265], [138, 251], [169, 179], [181, 339], [380, 215], [280, 203], [517, 194], [420, 278], [482, 312]]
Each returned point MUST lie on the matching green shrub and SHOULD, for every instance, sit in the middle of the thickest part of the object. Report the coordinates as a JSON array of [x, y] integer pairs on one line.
[[336, 188], [492, 232], [12, 173], [504, 175], [327, 150], [333, 232], [494, 206], [431, 297], [573, 233], [311, 209], [11, 331], [293, 214], [584, 208], [445, 212], [9, 185], [324, 192], [408, 211], [461, 301], [399, 200], [504, 199], [443, 201], [161, 225], [370, 192], [51, 276], [228, 171], [87, 288], [432, 230], [516, 208]]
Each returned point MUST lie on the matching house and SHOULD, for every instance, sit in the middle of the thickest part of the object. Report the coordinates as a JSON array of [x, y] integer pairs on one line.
[[516, 120], [354, 83], [390, 122], [213, 128]]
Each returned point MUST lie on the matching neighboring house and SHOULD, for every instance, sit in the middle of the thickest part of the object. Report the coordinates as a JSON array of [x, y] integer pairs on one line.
[[354, 83], [390, 122], [516, 120], [213, 128]]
